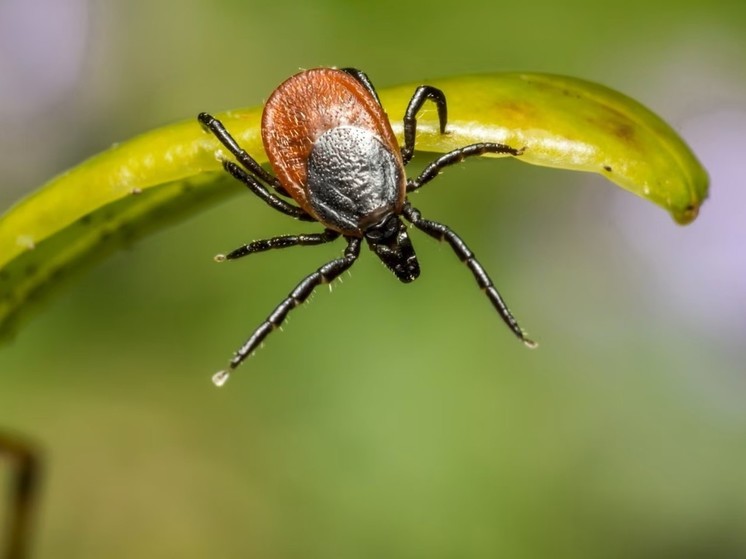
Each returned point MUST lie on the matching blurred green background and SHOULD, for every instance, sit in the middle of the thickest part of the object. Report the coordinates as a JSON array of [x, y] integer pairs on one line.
[[388, 420]]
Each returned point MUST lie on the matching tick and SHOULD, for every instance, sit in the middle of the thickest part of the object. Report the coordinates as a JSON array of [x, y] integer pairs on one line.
[[335, 155]]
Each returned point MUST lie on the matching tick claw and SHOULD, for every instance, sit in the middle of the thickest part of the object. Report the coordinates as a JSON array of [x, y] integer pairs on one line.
[[221, 377], [530, 344]]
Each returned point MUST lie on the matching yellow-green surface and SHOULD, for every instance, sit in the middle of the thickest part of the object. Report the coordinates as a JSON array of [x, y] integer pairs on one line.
[[385, 420], [141, 184]]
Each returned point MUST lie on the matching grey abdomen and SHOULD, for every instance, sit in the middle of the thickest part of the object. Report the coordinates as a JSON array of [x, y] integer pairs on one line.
[[353, 179]]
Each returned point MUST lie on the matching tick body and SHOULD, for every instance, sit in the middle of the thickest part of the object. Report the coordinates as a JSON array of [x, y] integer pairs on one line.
[[335, 155], [333, 150]]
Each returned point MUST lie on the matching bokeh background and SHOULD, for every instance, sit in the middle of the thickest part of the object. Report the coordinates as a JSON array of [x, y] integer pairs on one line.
[[388, 420]]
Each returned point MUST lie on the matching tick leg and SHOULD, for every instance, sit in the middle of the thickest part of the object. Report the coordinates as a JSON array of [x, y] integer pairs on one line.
[[24, 492], [363, 78], [326, 274], [219, 131], [282, 241], [444, 233], [457, 156], [421, 94], [260, 190]]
